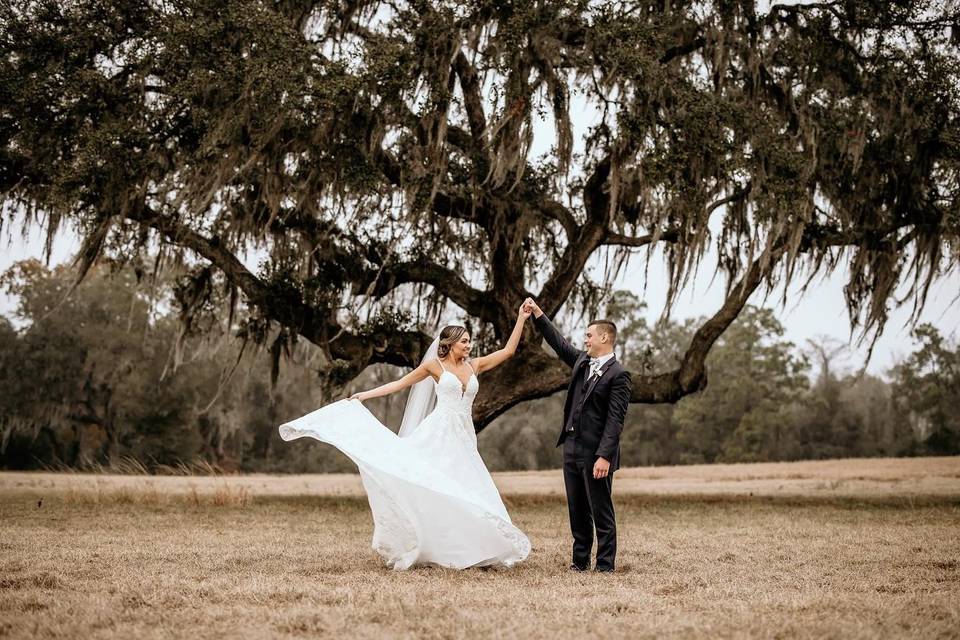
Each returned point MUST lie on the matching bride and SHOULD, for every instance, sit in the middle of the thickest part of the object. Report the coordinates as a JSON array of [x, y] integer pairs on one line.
[[432, 498]]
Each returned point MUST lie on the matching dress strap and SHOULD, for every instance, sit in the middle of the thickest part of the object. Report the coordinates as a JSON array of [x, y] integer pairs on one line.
[[442, 368], [470, 362]]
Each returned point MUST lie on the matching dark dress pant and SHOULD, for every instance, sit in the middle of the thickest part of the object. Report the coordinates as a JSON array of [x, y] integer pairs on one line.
[[590, 502]]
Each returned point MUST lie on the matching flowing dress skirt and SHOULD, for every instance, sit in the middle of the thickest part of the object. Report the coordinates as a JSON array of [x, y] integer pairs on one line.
[[432, 498]]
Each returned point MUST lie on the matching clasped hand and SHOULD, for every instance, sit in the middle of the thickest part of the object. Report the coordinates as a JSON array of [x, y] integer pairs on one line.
[[528, 308]]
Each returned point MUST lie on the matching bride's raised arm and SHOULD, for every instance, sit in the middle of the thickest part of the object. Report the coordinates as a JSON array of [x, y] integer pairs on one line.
[[492, 360], [415, 376]]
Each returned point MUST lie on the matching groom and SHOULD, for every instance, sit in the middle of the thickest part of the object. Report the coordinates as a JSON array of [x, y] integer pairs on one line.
[[593, 415]]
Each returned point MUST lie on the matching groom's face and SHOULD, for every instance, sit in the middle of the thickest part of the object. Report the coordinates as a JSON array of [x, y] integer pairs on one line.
[[596, 342]]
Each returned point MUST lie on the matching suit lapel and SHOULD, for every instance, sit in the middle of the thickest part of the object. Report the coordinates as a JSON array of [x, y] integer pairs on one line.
[[568, 403], [603, 370], [576, 369]]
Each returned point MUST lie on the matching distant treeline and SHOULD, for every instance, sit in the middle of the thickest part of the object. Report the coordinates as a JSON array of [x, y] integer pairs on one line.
[[110, 376]]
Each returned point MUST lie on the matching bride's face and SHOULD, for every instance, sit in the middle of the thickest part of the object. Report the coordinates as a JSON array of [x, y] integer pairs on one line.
[[461, 348]]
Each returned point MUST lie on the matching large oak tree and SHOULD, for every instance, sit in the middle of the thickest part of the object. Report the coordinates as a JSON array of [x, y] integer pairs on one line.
[[379, 152]]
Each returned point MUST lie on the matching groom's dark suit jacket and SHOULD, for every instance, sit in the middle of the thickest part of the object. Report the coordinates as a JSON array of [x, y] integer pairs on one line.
[[596, 411]]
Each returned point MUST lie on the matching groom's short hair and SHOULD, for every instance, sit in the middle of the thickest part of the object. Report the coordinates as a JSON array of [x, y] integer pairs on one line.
[[607, 327]]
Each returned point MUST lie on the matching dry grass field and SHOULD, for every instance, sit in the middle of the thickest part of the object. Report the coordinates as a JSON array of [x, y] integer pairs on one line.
[[850, 548]]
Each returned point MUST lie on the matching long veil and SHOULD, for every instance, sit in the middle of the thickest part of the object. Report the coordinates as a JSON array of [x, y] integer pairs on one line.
[[422, 397]]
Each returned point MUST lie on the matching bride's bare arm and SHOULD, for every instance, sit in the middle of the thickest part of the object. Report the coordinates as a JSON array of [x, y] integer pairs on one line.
[[493, 360], [415, 376]]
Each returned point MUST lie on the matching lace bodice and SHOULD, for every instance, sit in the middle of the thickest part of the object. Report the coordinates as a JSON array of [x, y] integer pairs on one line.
[[451, 396]]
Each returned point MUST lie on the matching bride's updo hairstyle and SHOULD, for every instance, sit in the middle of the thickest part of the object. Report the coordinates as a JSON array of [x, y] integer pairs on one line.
[[449, 337]]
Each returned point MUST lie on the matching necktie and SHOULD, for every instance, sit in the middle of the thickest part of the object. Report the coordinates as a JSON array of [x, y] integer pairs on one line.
[[594, 367]]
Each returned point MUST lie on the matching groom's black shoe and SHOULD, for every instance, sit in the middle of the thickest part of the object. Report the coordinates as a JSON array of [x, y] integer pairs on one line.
[[603, 569], [576, 567]]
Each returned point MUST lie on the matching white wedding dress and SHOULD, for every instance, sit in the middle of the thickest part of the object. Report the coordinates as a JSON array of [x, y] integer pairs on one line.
[[433, 500]]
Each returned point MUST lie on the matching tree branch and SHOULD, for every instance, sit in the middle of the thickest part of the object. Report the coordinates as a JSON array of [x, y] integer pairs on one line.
[[739, 194], [401, 348], [682, 49], [819, 236], [595, 199], [691, 376], [587, 238], [670, 235], [538, 375], [553, 209], [473, 103], [451, 206], [446, 281]]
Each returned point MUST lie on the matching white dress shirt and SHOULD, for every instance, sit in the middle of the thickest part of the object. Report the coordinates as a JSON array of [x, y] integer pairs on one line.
[[597, 363]]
